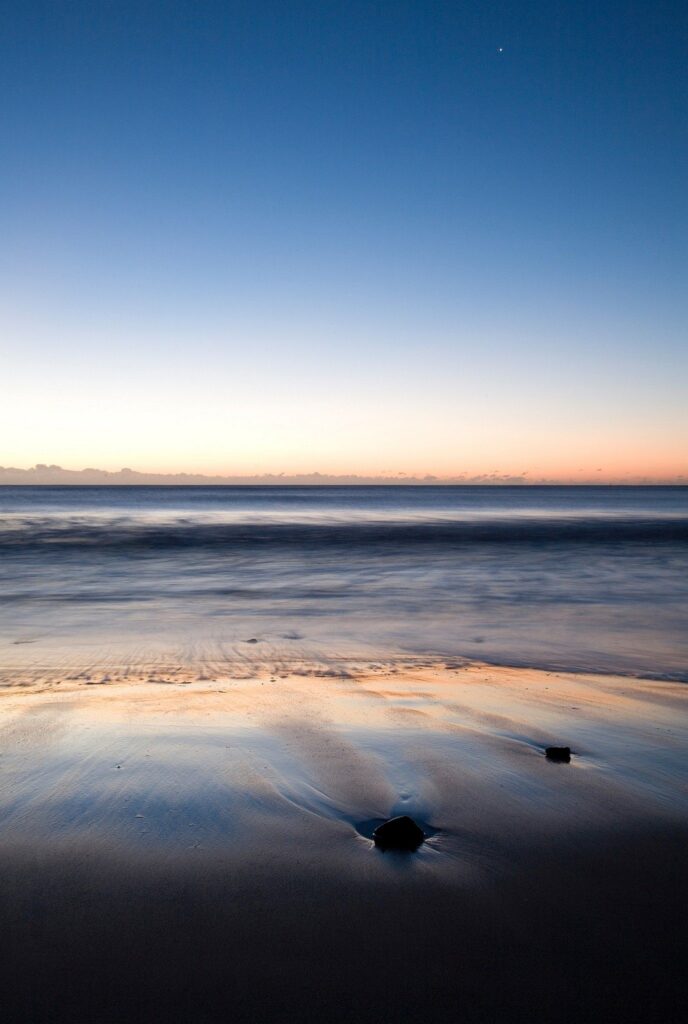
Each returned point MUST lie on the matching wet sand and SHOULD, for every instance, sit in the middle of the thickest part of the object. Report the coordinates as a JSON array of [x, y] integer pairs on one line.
[[184, 849]]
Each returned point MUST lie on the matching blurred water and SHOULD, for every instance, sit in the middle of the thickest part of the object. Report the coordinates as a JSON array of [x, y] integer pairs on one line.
[[574, 578]]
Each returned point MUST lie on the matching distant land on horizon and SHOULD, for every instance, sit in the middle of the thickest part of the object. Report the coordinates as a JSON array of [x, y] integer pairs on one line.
[[46, 475]]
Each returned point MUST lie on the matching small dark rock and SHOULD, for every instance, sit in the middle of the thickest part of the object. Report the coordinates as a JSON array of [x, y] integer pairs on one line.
[[251, 641], [560, 754], [399, 834]]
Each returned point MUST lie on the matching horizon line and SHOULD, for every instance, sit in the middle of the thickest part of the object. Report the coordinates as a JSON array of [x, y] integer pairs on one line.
[[47, 475]]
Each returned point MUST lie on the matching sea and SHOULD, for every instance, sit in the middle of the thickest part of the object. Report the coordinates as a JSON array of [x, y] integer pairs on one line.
[[102, 579]]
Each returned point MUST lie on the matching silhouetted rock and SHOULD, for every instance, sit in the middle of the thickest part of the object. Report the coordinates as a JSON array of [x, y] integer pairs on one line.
[[399, 834], [561, 754], [251, 641]]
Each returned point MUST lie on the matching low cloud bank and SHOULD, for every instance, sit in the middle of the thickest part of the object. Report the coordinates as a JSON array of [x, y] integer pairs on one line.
[[44, 474]]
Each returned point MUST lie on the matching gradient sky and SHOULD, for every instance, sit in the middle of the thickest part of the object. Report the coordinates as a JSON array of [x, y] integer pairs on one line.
[[258, 236]]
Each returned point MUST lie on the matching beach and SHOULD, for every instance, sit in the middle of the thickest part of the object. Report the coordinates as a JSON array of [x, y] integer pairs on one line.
[[183, 849], [211, 698]]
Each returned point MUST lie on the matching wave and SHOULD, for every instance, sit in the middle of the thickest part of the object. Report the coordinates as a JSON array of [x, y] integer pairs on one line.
[[183, 534]]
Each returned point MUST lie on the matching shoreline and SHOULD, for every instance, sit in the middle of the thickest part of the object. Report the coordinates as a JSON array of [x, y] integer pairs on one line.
[[238, 668]]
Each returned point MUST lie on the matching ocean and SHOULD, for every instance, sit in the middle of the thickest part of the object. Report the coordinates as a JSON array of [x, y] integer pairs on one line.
[[99, 579]]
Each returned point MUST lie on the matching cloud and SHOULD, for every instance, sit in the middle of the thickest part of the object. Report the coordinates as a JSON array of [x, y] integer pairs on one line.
[[42, 474]]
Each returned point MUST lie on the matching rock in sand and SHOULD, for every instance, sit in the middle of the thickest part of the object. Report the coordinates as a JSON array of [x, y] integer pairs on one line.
[[400, 833], [560, 754]]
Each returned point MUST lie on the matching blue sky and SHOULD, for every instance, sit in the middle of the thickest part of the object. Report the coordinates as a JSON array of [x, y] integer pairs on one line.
[[361, 237]]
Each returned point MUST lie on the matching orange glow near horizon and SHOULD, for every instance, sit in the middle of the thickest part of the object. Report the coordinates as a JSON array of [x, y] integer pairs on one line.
[[620, 471], [192, 411]]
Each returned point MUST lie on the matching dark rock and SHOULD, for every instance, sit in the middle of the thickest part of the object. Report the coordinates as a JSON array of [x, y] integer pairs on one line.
[[251, 641], [399, 834], [560, 754]]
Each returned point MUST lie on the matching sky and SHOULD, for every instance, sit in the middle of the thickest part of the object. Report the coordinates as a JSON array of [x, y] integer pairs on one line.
[[415, 236]]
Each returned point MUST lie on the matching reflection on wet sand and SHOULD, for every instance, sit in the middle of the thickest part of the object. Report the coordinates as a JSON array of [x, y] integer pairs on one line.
[[202, 848]]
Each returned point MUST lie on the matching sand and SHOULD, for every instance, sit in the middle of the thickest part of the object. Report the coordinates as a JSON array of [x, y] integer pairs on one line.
[[184, 849]]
